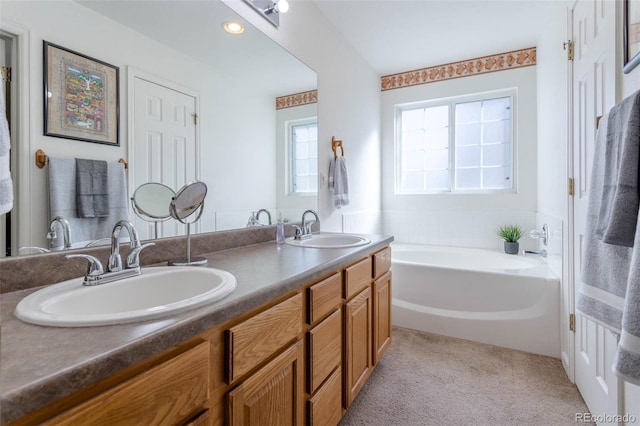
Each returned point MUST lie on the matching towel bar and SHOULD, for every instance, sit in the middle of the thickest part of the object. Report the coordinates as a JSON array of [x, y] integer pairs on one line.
[[42, 159], [335, 144]]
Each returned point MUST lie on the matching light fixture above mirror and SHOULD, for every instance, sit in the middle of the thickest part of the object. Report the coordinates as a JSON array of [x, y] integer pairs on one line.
[[270, 9]]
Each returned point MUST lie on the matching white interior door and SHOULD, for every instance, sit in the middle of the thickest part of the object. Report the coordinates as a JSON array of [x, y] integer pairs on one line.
[[164, 145], [593, 96]]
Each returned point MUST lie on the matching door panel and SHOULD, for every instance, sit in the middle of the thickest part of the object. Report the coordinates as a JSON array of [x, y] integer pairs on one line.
[[593, 95], [164, 145]]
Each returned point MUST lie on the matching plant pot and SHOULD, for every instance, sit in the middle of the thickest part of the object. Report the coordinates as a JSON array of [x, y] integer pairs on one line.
[[511, 248]]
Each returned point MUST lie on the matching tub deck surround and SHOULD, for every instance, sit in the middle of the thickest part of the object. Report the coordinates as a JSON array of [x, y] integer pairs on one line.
[[42, 364], [480, 295]]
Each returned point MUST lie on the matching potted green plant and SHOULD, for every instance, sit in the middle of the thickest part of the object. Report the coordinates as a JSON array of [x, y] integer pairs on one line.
[[510, 234]]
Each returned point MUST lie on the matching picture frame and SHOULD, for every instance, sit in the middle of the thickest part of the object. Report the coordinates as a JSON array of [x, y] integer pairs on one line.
[[631, 35], [81, 97]]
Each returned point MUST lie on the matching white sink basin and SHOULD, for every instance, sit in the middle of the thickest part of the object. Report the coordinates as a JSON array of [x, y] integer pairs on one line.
[[329, 241], [155, 293]]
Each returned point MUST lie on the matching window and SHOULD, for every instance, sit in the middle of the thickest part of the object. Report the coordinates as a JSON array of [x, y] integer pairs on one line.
[[303, 160], [462, 144]]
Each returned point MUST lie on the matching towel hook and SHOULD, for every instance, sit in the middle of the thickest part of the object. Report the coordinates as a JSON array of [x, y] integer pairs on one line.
[[335, 144]]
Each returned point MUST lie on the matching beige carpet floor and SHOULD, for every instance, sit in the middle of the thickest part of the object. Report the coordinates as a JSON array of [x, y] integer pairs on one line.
[[428, 379]]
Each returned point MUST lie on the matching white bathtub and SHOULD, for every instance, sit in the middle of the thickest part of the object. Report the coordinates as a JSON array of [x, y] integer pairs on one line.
[[481, 295]]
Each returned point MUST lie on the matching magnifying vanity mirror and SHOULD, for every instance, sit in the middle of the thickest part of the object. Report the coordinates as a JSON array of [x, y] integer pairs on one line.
[[250, 106], [186, 207], [150, 202]]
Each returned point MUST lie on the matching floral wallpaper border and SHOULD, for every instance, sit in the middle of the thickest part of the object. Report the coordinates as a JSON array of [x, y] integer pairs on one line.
[[297, 99], [485, 64]]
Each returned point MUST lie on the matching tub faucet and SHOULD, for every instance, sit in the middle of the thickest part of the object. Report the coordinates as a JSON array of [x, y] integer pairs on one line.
[[267, 212], [542, 253], [66, 232], [304, 232]]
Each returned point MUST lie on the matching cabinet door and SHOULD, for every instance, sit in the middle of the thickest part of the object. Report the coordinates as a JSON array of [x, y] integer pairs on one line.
[[164, 395], [273, 395], [357, 344], [381, 316]]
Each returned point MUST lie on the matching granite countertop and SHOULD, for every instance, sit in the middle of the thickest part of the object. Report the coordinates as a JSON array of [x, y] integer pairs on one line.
[[42, 364]]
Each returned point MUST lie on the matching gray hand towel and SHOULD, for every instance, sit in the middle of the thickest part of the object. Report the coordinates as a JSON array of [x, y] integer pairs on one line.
[[618, 213], [92, 190], [340, 183]]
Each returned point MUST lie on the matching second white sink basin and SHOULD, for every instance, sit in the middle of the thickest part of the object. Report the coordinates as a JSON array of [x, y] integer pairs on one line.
[[157, 292], [329, 241]]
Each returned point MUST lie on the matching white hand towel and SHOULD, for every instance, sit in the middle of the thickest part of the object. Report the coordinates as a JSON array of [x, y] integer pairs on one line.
[[6, 184]]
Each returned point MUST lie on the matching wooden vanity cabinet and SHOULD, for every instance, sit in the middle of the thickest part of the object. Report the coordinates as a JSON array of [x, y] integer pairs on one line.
[[324, 352], [301, 359], [367, 319], [171, 393]]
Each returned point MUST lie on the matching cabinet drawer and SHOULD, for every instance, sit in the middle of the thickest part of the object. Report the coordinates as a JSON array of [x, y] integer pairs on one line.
[[325, 350], [357, 277], [381, 262], [256, 339], [165, 395], [324, 297], [325, 407]]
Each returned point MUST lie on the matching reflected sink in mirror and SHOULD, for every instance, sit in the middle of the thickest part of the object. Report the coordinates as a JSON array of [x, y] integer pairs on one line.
[[329, 241], [157, 292]]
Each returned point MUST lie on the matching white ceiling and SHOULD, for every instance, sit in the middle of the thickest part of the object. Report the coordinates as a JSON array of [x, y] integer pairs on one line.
[[391, 35], [401, 35], [194, 27]]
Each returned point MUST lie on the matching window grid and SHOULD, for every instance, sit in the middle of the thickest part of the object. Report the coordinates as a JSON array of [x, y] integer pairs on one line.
[[490, 169]]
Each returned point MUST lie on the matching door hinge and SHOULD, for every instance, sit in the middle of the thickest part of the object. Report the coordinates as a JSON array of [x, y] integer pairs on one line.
[[6, 73], [569, 47], [572, 322], [195, 118], [571, 187]]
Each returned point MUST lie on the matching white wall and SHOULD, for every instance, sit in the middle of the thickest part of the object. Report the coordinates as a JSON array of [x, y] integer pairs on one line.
[[463, 219], [348, 105], [229, 145]]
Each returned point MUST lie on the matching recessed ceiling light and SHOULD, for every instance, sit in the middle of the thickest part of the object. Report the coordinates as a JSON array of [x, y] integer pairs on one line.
[[233, 27]]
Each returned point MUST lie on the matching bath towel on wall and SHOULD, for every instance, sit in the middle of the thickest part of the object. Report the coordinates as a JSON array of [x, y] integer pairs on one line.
[[6, 183], [339, 182], [605, 267], [63, 199], [610, 289]]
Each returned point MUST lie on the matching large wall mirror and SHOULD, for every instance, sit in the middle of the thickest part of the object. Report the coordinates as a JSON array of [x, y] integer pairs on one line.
[[251, 154]]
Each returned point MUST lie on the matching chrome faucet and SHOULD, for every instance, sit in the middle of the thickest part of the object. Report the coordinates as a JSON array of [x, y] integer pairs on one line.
[[268, 215], [542, 253], [95, 273], [66, 231], [304, 232], [115, 260]]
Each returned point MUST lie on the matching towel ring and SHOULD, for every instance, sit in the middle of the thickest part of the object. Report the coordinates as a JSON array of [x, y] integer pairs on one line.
[[335, 144]]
